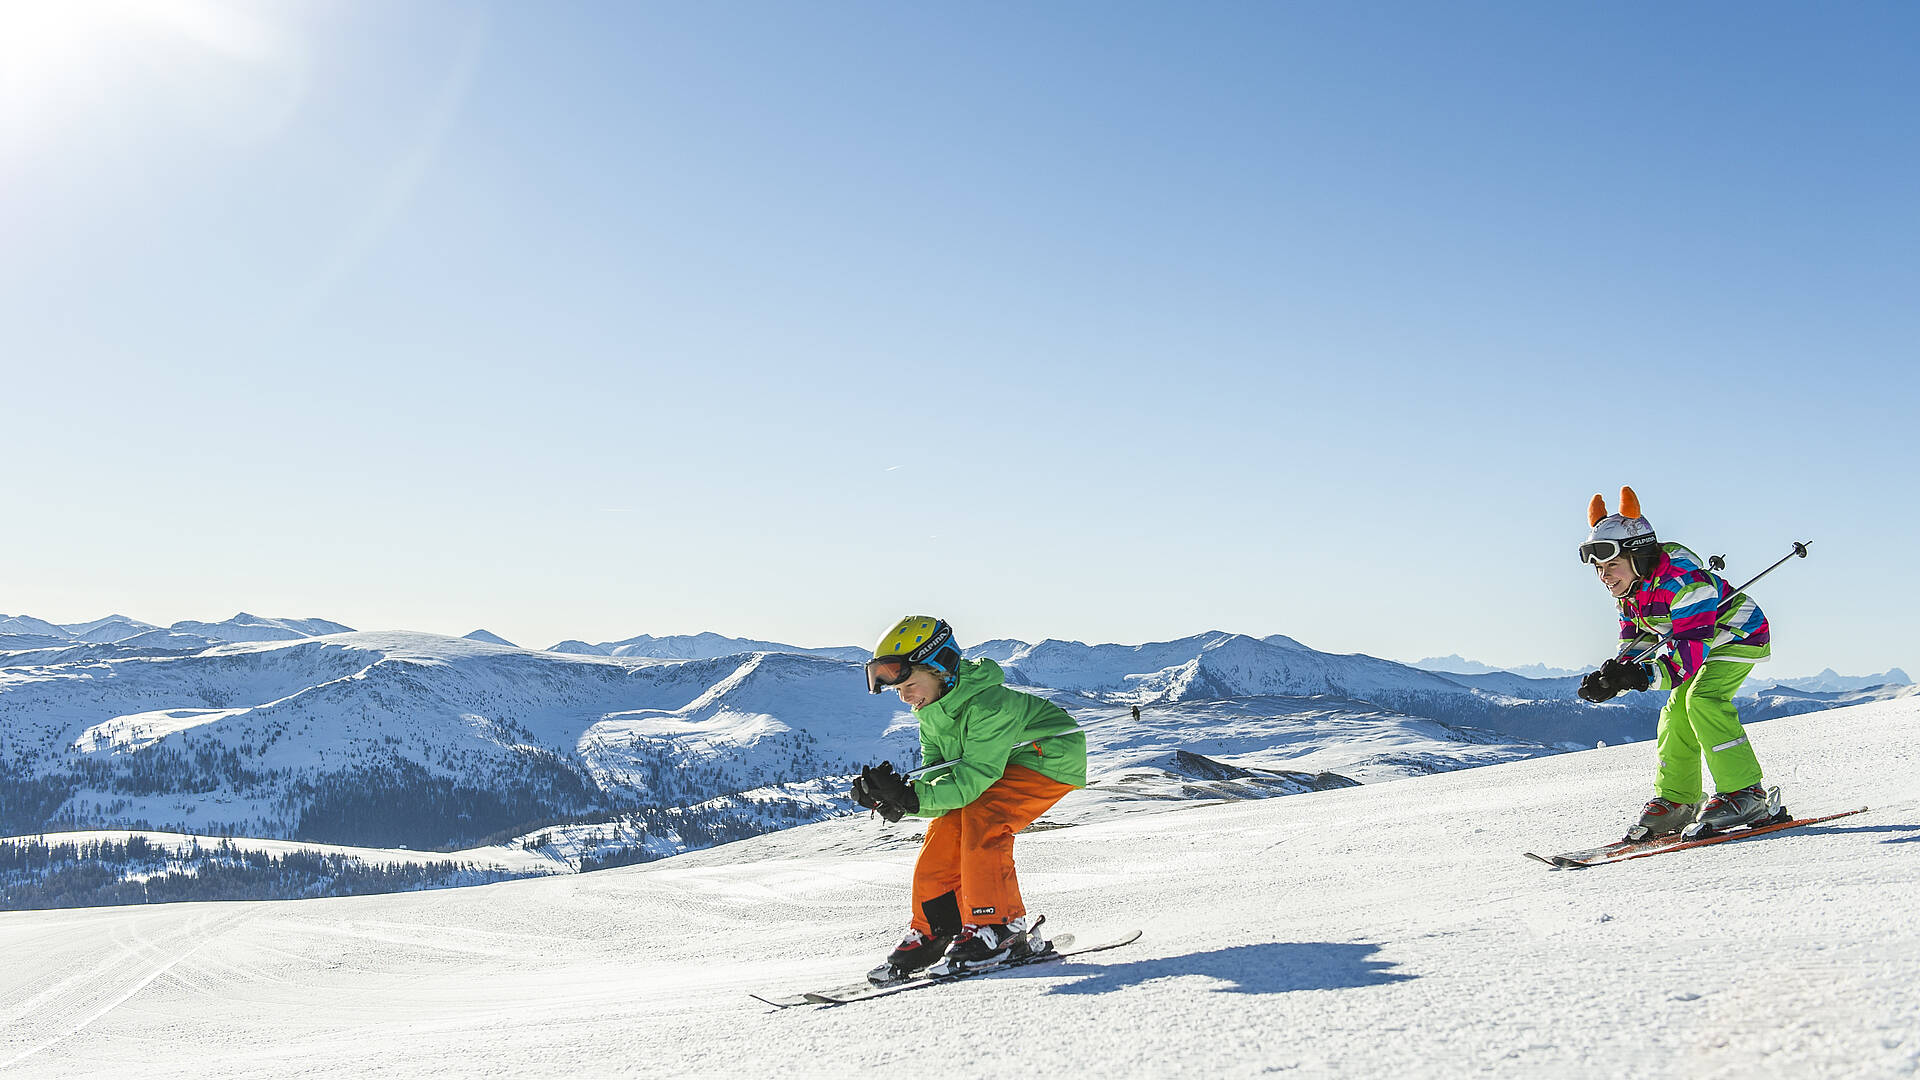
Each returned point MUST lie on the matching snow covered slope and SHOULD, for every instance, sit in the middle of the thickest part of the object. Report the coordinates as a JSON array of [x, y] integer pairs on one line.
[[1384, 930], [1216, 665], [1354, 739]]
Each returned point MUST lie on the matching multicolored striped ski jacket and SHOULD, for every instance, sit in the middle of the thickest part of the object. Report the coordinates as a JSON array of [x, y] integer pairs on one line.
[[1683, 596]]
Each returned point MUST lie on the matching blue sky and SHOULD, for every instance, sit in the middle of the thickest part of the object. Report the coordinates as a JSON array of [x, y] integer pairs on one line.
[[1115, 322]]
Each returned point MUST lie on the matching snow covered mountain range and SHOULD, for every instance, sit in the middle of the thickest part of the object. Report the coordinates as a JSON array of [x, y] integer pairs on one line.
[[301, 729], [1456, 664], [25, 639], [1828, 681]]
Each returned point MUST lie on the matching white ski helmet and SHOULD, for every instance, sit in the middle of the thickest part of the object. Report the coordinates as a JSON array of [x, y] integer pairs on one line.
[[1624, 533]]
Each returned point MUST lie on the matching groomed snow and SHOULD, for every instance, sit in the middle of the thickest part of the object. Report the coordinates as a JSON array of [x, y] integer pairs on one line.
[[1387, 930]]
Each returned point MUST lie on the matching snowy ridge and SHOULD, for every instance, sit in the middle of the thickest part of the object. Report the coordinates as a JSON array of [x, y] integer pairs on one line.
[[1779, 700], [1215, 664], [28, 626], [1389, 929], [1456, 664], [25, 632], [111, 628], [245, 627], [1830, 681], [703, 646]]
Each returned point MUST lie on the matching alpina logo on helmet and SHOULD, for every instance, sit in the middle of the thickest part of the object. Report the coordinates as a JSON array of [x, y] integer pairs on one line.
[[932, 645]]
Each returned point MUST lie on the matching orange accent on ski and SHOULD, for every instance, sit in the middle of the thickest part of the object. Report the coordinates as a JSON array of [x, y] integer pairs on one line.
[[1739, 834]]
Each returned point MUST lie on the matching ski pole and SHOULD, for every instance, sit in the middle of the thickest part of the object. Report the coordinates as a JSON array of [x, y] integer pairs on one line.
[[924, 769], [1799, 549]]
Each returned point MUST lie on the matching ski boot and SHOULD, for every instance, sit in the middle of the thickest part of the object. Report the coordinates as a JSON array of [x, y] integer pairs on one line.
[[1756, 805], [916, 953], [1662, 817], [993, 943]]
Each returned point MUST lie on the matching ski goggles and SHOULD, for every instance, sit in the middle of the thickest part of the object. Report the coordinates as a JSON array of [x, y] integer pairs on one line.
[[885, 671], [1595, 552]]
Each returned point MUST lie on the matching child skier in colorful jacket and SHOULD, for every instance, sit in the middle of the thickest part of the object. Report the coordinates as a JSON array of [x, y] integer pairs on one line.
[[1714, 637], [1004, 758]]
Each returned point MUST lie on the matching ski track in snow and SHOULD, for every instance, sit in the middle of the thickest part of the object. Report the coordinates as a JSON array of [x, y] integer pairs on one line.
[[1386, 930]]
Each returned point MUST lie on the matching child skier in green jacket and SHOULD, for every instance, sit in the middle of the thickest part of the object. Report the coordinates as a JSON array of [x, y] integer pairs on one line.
[[1003, 758]]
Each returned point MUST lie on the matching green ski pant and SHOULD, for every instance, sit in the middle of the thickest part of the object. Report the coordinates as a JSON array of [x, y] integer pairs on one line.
[[1700, 719]]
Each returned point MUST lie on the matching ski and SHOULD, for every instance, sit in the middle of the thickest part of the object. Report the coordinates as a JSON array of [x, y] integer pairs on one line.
[[792, 1000], [1057, 949], [1624, 850], [852, 989]]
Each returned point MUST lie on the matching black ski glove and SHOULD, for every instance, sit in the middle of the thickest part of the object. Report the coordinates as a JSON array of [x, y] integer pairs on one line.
[[1625, 676], [1594, 688], [1613, 677], [880, 788]]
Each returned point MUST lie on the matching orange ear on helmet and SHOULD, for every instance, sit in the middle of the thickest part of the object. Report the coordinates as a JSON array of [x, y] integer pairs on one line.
[[1629, 503], [1596, 510]]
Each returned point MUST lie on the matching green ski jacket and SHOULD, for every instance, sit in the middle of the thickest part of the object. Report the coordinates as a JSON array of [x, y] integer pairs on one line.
[[983, 727]]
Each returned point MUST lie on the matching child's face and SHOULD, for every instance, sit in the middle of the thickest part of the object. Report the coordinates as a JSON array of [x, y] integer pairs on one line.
[[920, 688], [1617, 575]]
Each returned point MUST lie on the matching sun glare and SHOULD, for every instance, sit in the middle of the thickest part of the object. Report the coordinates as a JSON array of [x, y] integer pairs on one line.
[[61, 58]]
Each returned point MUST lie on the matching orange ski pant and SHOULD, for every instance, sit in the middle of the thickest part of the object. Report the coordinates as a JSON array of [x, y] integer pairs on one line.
[[969, 851]]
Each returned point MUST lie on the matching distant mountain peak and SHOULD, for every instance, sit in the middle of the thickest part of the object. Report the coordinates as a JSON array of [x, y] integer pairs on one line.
[[246, 626], [1456, 664], [576, 647], [705, 645], [490, 638], [1831, 681]]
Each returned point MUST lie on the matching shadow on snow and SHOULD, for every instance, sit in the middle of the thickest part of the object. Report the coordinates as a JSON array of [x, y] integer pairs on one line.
[[1907, 834], [1274, 968]]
